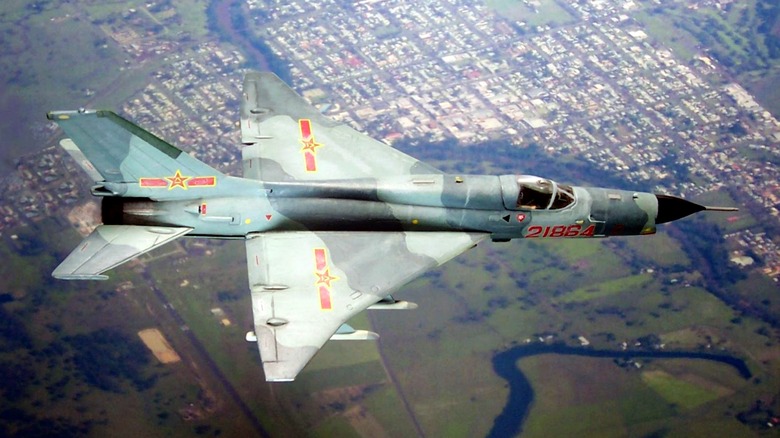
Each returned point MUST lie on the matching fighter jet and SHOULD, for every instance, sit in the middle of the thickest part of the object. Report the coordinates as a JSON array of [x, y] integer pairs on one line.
[[334, 222]]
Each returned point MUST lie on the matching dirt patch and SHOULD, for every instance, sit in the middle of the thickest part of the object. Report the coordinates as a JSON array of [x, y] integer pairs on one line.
[[344, 401], [364, 423], [159, 346], [85, 217]]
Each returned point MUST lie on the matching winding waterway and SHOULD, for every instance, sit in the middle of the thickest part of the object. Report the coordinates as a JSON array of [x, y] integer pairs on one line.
[[228, 29], [521, 395]]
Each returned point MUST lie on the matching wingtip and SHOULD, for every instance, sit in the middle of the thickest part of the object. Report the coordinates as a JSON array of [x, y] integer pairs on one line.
[[280, 371], [278, 380], [56, 115], [255, 75]]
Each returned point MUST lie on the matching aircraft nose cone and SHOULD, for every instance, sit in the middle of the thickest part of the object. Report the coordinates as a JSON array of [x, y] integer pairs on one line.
[[671, 208]]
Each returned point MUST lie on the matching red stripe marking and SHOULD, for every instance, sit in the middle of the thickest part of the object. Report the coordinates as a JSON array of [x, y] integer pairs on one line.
[[305, 126], [325, 303], [319, 257], [153, 182], [321, 263], [311, 162], [202, 181]]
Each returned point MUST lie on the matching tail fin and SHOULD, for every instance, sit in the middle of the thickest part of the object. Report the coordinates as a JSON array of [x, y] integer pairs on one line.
[[129, 160]]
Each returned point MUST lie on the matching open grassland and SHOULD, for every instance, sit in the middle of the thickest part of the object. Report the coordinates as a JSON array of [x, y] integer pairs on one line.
[[447, 408], [759, 289], [677, 391], [729, 222], [660, 251], [606, 288], [587, 396], [548, 12], [383, 403], [738, 36], [711, 376], [727, 34]]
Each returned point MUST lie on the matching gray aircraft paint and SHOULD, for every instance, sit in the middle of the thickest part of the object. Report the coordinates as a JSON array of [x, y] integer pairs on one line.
[[333, 221]]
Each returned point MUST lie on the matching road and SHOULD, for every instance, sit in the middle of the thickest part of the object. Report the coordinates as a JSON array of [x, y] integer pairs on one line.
[[396, 383], [206, 358]]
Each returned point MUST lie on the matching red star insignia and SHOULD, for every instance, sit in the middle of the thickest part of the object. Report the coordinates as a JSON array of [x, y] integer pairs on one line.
[[178, 180], [325, 278], [310, 145]]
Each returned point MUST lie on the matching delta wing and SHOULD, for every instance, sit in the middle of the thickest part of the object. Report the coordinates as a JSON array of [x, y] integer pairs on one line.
[[290, 140], [111, 245], [305, 285]]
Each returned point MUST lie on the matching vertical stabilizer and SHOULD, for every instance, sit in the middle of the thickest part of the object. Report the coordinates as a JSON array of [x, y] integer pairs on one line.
[[118, 151]]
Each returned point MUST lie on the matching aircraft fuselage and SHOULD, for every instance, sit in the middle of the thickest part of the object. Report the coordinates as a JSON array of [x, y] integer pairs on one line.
[[333, 222], [478, 203]]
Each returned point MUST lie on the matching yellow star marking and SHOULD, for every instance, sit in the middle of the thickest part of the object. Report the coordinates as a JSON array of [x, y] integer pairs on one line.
[[325, 278], [178, 180], [310, 145]]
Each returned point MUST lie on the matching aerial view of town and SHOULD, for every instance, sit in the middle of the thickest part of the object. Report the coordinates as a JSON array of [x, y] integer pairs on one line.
[[678, 333]]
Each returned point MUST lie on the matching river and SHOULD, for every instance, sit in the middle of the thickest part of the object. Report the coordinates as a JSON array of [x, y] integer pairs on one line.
[[510, 421], [233, 28]]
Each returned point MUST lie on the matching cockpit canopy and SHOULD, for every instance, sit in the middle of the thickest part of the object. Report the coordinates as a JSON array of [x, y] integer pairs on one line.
[[535, 193]]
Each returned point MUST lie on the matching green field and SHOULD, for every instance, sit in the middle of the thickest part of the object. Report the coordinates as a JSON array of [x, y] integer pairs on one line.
[[587, 396], [548, 12], [607, 288], [676, 391], [732, 35], [728, 222]]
